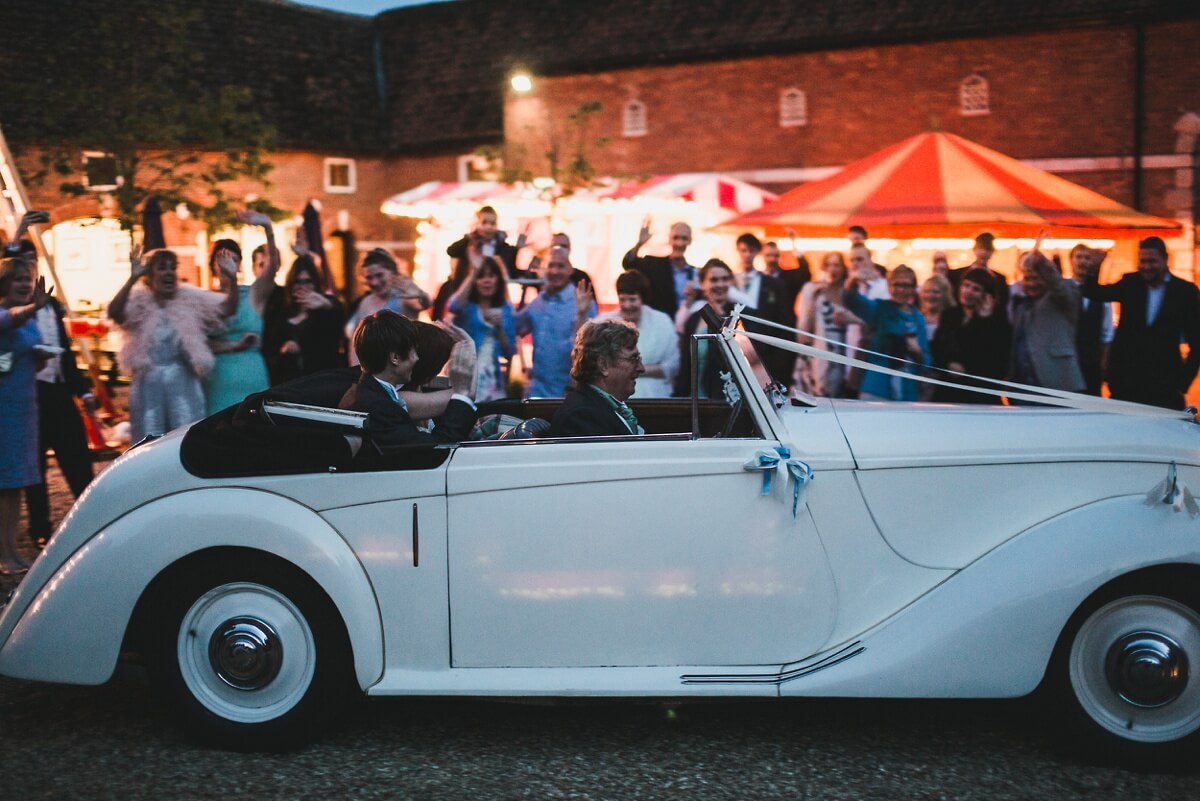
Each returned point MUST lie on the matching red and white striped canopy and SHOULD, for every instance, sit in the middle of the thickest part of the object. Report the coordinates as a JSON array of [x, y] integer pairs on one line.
[[941, 185], [710, 189]]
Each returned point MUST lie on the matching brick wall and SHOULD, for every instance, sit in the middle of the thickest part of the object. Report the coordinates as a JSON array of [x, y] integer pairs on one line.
[[1059, 94]]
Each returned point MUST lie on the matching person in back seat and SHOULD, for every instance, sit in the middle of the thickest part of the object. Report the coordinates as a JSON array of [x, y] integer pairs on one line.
[[386, 345], [605, 364]]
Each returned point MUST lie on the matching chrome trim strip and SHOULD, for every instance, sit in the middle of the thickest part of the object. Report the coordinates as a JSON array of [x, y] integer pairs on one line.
[[781, 676]]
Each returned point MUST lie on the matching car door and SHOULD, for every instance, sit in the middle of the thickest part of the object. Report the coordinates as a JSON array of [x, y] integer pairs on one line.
[[628, 552]]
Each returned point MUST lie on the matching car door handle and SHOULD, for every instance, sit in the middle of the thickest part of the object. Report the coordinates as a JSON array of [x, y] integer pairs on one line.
[[416, 538]]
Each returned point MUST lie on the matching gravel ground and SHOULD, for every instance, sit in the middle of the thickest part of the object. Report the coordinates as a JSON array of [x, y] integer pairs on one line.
[[113, 741]]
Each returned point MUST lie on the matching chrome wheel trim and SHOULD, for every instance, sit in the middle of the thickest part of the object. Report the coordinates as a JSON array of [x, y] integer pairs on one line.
[[246, 652], [1134, 668]]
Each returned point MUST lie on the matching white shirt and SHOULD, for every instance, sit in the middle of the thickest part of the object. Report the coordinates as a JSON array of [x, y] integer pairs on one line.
[[1154, 299], [47, 325]]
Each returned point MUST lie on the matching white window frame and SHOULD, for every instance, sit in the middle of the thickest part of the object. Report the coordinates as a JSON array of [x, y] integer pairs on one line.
[[793, 107], [974, 96], [633, 119], [98, 154], [352, 174]]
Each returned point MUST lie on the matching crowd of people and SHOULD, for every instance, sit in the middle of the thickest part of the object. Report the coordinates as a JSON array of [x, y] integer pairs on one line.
[[191, 351]]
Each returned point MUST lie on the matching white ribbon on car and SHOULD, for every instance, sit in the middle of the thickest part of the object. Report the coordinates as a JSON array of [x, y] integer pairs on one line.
[[794, 472], [995, 387]]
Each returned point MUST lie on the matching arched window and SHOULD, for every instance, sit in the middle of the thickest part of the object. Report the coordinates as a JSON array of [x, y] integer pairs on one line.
[[973, 96], [793, 108], [634, 119]]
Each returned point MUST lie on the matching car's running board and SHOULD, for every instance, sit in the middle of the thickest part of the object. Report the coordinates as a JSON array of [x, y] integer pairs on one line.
[[804, 668]]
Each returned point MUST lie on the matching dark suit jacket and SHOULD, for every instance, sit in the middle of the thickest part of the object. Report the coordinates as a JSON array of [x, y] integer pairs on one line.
[[389, 424], [584, 413], [1145, 364], [773, 305], [74, 381], [661, 275]]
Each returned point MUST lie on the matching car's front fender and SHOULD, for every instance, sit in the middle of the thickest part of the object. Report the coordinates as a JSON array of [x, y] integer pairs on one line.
[[71, 627]]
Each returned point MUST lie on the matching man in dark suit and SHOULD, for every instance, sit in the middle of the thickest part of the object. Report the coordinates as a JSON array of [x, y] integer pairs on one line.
[[669, 276], [605, 364], [1157, 311], [386, 345], [765, 297], [792, 280], [486, 239], [985, 248]]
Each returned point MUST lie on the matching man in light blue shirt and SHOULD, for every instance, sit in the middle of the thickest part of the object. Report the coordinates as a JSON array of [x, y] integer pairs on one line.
[[553, 318]]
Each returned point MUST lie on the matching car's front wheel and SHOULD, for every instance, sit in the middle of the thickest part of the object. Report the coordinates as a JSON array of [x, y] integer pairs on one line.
[[253, 656], [1132, 676]]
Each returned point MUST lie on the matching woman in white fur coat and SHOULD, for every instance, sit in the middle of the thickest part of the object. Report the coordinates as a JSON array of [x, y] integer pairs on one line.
[[166, 326]]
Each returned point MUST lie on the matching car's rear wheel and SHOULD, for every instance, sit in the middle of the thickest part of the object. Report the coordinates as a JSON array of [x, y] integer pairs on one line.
[[1132, 679], [253, 656]]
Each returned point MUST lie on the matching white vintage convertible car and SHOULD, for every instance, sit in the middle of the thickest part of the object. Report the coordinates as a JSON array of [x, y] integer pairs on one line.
[[743, 548]]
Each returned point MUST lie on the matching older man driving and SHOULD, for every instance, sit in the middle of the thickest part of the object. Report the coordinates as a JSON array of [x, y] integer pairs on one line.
[[605, 364]]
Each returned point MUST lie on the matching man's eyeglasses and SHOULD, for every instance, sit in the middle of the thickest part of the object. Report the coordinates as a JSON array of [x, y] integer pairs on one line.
[[635, 359]]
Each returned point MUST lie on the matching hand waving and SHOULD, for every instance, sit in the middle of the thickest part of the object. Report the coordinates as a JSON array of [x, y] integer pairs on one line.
[[137, 268], [644, 233], [249, 217], [584, 297]]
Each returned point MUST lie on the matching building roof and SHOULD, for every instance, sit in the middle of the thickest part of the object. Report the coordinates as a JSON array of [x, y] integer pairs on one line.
[[447, 63], [312, 72], [433, 77]]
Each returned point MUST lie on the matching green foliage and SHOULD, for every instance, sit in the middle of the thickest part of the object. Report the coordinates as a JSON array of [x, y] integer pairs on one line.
[[129, 86]]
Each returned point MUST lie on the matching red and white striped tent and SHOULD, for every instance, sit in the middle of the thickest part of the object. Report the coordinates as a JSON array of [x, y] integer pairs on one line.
[[941, 185], [720, 193], [434, 197], [710, 189]]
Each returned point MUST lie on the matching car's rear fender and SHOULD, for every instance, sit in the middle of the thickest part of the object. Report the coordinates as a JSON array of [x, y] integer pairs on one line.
[[72, 627]]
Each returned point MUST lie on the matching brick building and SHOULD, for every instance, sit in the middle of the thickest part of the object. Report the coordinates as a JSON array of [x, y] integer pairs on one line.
[[1104, 93]]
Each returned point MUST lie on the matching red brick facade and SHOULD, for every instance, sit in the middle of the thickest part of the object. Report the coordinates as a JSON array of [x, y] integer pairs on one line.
[[1059, 94]]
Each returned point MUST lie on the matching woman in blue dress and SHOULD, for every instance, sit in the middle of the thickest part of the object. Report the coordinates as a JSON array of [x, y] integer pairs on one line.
[[239, 369], [20, 298], [481, 308], [898, 332]]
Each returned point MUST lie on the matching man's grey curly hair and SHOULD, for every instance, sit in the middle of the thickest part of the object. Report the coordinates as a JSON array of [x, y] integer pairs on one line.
[[600, 340]]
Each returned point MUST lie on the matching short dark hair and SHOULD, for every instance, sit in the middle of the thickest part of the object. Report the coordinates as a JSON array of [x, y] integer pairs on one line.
[[858, 229], [382, 258], [599, 339], [986, 240], [712, 264], [486, 210], [224, 244], [434, 345], [254, 253], [770, 244], [381, 334], [633, 282], [1154, 243], [751, 241]]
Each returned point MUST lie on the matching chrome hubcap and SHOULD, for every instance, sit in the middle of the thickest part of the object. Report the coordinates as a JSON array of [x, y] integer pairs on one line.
[[245, 653], [1147, 669]]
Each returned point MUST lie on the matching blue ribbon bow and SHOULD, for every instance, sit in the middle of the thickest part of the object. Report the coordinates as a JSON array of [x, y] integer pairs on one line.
[[798, 473]]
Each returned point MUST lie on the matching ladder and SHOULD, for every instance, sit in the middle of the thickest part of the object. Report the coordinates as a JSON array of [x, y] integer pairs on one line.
[[14, 203]]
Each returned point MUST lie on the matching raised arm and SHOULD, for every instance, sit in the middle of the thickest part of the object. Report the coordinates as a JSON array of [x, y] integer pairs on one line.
[[116, 306], [630, 260], [263, 285]]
